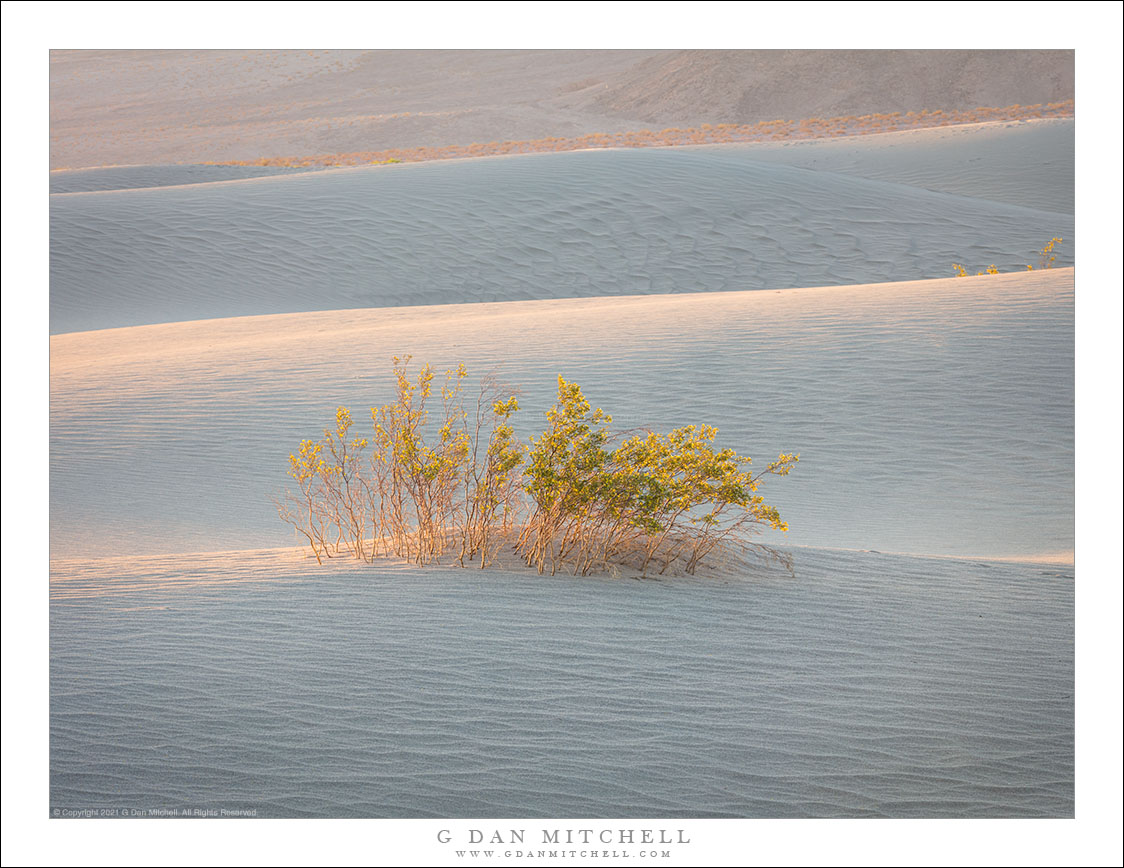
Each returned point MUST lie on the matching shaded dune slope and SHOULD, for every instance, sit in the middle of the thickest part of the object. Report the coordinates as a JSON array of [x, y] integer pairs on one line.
[[134, 177], [888, 686], [1029, 164], [554, 225], [932, 417]]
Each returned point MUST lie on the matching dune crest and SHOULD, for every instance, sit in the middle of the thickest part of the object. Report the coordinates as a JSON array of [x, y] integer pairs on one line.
[[890, 392], [595, 223]]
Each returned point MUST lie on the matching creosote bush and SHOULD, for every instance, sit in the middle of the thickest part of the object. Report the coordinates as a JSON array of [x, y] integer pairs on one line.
[[1046, 259], [436, 484], [1046, 255]]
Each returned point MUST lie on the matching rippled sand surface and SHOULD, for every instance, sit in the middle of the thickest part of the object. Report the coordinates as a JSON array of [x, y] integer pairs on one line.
[[136, 177], [582, 224], [865, 686], [931, 417], [918, 664]]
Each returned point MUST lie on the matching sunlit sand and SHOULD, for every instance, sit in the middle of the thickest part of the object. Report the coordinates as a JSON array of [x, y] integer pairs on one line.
[[797, 294]]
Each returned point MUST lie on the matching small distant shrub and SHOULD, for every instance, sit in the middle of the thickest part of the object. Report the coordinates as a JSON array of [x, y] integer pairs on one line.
[[960, 272], [1046, 259], [1046, 255], [577, 497]]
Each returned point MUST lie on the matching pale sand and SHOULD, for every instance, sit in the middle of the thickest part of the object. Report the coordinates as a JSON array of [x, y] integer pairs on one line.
[[589, 223], [1025, 163], [134, 177], [866, 686], [114, 107], [932, 417]]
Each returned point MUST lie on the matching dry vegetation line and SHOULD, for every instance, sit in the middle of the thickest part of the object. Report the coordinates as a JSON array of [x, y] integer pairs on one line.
[[707, 134], [577, 497]]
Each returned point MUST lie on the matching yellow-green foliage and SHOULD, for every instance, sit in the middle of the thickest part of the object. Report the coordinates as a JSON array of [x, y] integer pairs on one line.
[[654, 500], [960, 272], [1046, 255], [565, 478], [1046, 259], [419, 478], [584, 500], [332, 494]]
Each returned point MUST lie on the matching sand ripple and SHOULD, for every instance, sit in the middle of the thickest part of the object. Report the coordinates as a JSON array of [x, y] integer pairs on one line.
[[932, 417], [579, 224], [135, 177], [868, 686]]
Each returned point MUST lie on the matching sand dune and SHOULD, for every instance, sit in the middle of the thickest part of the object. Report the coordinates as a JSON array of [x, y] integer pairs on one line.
[[869, 686], [932, 417], [133, 177], [577, 224], [1029, 164], [114, 107], [206, 321], [1021, 162]]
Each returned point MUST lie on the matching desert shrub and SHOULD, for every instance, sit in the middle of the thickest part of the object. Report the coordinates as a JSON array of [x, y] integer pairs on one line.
[[1046, 259], [565, 478], [331, 506], [1046, 255], [651, 501], [491, 480], [577, 497], [347, 490], [959, 271], [422, 485], [695, 499], [416, 475], [304, 508]]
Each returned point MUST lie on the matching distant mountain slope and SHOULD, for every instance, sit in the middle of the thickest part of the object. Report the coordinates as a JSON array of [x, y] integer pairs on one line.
[[751, 86], [129, 107]]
